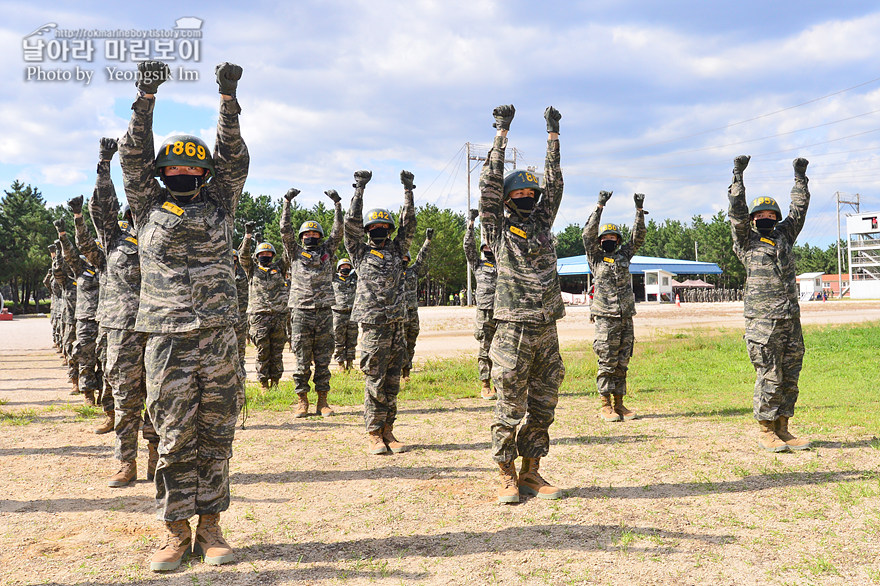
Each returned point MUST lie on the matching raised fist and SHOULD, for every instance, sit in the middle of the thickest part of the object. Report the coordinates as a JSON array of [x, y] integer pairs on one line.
[[604, 196], [473, 214], [59, 225], [75, 204], [740, 163], [429, 233], [228, 75], [291, 193], [552, 116], [109, 146], [800, 166], [249, 227], [151, 74], [361, 178], [639, 198], [406, 178], [334, 197], [503, 116], [52, 249]]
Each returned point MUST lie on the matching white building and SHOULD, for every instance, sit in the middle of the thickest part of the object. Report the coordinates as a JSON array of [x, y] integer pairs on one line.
[[863, 250]]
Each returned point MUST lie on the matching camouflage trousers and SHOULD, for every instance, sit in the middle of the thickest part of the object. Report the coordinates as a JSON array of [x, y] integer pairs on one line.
[[56, 330], [194, 396], [484, 332], [411, 332], [613, 346], [85, 352], [776, 349], [241, 335], [268, 335], [383, 353], [311, 333], [105, 397], [345, 336], [527, 370], [125, 371], [68, 341]]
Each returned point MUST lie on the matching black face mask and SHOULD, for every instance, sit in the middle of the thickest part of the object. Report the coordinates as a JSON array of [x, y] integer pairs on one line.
[[184, 187], [765, 225], [608, 245], [525, 205], [344, 272], [311, 241], [405, 263], [264, 261], [378, 235], [488, 256]]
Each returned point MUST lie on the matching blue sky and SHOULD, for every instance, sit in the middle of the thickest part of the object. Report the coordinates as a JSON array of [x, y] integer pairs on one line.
[[655, 97]]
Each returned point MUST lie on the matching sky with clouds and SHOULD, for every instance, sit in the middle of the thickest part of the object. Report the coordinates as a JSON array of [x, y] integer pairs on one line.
[[655, 97]]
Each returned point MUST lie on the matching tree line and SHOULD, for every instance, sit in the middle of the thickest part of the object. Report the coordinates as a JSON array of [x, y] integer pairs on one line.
[[26, 230]]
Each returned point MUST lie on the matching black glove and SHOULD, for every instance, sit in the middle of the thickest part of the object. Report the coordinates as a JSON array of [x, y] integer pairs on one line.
[[473, 214], [59, 226], [291, 193], [228, 75], [604, 196], [109, 146], [249, 227], [552, 116], [331, 193], [503, 116], [429, 233], [75, 204], [406, 178], [52, 248], [151, 74], [639, 198], [361, 178], [740, 163], [800, 167]]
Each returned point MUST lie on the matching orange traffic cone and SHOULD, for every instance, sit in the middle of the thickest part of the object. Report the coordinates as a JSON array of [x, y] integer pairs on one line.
[[677, 301]]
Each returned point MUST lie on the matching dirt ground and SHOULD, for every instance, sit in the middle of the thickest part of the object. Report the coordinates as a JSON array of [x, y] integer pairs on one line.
[[660, 500]]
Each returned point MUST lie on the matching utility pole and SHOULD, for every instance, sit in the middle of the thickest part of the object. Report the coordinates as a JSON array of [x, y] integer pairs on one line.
[[475, 153], [696, 252], [855, 205]]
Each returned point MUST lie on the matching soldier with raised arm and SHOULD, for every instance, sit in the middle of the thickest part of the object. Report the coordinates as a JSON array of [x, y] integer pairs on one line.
[[345, 329], [484, 322], [411, 275], [763, 242], [188, 310]]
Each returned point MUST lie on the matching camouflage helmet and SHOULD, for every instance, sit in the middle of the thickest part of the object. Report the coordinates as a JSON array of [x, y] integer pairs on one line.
[[610, 229], [759, 204], [343, 261], [379, 216], [123, 225], [264, 247], [521, 179], [235, 254], [185, 150], [310, 226]]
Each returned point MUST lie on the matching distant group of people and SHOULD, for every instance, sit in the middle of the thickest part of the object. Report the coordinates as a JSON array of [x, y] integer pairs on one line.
[[156, 310]]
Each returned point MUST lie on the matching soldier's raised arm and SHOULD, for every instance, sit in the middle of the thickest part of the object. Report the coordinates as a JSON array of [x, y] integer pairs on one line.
[[421, 264], [492, 177], [336, 230], [470, 240], [288, 234], [68, 252], [407, 230], [84, 241], [104, 205], [738, 212], [792, 225], [245, 249], [590, 235], [548, 207], [231, 158], [354, 218], [639, 231]]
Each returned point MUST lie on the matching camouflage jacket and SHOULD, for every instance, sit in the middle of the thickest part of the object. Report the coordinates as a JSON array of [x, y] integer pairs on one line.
[[311, 269], [380, 296], [66, 283], [241, 290], [87, 280], [613, 295], [527, 286], [268, 290], [771, 290], [411, 276], [121, 284], [344, 289], [54, 292], [187, 278], [484, 271]]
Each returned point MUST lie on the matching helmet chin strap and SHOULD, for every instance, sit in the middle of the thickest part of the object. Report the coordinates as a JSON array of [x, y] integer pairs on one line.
[[513, 208]]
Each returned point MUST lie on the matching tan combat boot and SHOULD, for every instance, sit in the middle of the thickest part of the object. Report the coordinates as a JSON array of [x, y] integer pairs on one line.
[[508, 493], [127, 474], [395, 446], [209, 543], [264, 384], [177, 545], [107, 425], [152, 460], [89, 398], [795, 443], [531, 483], [302, 408], [486, 391], [323, 407], [341, 365], [768, 440], [607, 412], [348, 365], [74, 385], [625, 414], [376, 443]]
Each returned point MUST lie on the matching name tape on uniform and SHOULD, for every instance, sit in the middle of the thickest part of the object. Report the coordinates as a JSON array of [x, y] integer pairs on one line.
[[768, 241], [608, 259], [377, 253], [519, 232], [177, 211]]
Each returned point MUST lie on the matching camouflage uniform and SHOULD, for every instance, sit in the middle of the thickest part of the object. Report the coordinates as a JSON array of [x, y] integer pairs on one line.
[[527, 368], [345, 330], [613, 305], [65, 280], [484, 324], [380, 308], [411, 275], [55, 309], [188, 308], [770, 300], [241, 326], [311, 297], [117, 313], [266, 311]]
